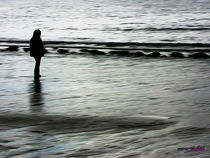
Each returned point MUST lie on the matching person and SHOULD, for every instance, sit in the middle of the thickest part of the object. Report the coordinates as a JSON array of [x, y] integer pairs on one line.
[[37, 50]]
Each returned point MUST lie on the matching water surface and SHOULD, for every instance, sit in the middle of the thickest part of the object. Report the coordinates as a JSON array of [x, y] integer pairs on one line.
[[103, 106]]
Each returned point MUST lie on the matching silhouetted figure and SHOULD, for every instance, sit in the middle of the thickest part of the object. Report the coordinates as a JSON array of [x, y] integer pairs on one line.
[[37, 50]]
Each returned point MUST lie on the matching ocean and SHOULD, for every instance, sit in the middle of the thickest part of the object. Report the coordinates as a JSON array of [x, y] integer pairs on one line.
[[186, 21], [105, 106]]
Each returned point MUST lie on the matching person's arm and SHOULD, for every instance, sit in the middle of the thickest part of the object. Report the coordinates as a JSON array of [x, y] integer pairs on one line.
[[43, 48]]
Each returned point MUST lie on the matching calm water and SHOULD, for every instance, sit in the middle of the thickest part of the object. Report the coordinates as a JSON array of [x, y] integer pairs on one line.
[[107, 20], [95, 106], [104, 106]]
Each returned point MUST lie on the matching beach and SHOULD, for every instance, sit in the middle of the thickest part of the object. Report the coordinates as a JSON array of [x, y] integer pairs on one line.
[[120, 79], [103, 106]]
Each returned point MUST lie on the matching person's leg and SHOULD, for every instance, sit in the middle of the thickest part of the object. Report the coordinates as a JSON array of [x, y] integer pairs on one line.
[[37, 65]]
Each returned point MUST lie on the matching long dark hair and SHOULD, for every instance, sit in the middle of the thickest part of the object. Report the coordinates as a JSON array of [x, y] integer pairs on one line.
[[36, 34]]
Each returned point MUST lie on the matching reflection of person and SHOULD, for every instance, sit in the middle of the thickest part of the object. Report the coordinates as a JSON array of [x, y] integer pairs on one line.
[[37, 50], [36, 96]]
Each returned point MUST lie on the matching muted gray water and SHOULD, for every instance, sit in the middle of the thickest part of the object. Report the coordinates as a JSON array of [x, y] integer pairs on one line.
[[94, 106], [186, 21], [105, 106]]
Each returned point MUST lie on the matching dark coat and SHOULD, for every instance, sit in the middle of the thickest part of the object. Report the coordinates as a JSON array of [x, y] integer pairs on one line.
[[37, 47]]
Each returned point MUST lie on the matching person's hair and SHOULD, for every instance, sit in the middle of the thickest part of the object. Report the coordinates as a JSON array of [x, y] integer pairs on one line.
[[37, 33]]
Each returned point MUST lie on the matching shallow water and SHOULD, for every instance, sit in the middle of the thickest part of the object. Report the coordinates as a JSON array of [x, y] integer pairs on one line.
[[103, 106]]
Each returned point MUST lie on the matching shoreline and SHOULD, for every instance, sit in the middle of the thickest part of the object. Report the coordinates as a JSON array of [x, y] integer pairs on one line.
[[126, 46]]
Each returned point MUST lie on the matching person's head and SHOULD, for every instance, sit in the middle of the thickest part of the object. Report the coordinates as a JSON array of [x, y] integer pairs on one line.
[[37, 33]]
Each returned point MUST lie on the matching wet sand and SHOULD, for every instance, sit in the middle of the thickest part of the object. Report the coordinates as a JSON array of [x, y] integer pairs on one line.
[[103, 106]]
